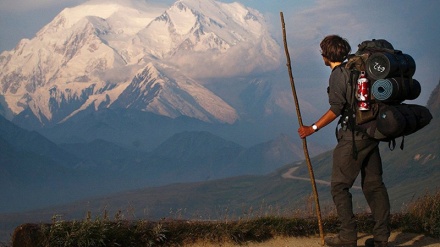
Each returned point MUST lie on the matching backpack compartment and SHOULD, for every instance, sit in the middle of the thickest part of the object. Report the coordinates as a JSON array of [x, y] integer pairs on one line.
[[390, 121], [417, 117], [403, 119], [367, 116], [370, 128]]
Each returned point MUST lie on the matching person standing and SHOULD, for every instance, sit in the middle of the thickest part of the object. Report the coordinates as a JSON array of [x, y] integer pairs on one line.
[[346, 166]]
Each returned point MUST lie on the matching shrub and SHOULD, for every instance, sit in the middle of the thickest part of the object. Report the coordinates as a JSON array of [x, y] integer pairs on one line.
[[423, 216]]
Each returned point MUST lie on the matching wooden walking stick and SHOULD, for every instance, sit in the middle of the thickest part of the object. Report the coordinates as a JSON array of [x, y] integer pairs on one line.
[[306, 152]]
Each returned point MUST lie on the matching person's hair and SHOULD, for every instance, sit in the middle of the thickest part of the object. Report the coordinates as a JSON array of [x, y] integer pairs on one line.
[[335, 48]]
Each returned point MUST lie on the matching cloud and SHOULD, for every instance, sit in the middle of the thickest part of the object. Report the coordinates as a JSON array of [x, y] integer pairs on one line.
[[29, 5], [21, 6], [404, 23], [241, 59]]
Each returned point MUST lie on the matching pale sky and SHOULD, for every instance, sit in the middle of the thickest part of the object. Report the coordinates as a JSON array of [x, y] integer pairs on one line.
[[411, 26]]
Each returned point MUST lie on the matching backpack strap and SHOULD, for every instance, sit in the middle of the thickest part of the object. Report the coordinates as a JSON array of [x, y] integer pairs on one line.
[[354, 74], [349, 116], [402, 77], [402, 143], [392, 144]]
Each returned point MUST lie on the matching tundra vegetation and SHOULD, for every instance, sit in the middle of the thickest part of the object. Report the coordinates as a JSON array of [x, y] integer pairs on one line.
[[421, 216]]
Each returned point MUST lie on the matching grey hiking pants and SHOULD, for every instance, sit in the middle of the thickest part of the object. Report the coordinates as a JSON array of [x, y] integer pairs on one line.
[[344, 173]]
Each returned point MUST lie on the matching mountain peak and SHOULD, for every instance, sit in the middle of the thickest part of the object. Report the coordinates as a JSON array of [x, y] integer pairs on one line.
[[155, 90]]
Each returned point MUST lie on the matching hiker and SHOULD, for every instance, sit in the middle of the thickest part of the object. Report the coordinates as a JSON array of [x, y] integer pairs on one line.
[[346, 167]]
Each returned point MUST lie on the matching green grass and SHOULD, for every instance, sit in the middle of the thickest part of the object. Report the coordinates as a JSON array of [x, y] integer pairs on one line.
[[422, 216]]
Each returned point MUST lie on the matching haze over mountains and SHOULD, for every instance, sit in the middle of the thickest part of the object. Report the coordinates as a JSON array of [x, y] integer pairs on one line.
[[116, 95], [37, 172]]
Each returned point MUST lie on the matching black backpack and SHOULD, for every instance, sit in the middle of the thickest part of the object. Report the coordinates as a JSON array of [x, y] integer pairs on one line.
[[390, 73]]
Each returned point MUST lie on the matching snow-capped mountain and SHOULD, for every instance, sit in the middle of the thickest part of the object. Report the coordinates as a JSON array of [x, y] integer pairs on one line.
[[151, 90], [128, 54]]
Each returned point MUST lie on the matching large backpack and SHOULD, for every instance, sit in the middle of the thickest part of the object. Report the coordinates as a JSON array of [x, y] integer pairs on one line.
[[390, 73]]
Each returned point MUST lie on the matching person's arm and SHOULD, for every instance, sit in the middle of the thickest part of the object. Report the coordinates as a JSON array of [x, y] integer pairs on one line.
[[327, 118]]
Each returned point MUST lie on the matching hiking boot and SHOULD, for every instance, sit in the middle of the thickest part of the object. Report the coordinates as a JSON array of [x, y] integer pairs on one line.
[[372, 243], [338, 241]]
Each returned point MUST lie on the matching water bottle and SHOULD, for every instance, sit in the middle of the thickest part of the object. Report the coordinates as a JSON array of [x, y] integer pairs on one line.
[[363, 92]]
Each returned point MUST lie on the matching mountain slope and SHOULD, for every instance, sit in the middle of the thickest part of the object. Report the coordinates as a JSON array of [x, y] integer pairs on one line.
[[34, 171], [201, 156], [125, 127], [33, 142], [103, 155], [202, 146], [153, 91], [434, 102]]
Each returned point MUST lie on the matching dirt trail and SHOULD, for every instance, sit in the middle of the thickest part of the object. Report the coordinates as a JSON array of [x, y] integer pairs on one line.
[[397, 239], [289, 175]]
